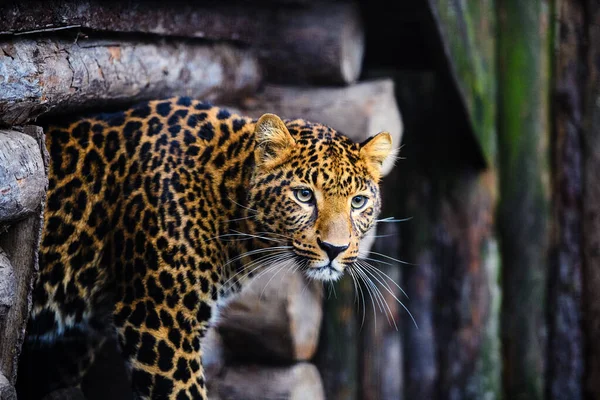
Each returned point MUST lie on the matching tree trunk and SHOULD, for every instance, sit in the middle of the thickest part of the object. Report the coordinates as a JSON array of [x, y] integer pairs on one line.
[[322, 43], [19, 244], [297, 382], [523, 211], [591, 202], [57, 75], [358, 111], [565, 336]]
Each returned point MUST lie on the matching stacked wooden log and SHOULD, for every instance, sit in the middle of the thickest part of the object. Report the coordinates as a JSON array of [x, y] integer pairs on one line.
[[23, 183], [69, 57]]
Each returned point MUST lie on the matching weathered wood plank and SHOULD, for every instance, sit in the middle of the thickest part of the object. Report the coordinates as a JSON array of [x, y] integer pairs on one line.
[[43, 74], [323, 42], [523, 210], [565, 358]]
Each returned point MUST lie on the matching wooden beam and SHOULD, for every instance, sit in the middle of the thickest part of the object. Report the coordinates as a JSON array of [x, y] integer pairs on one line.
[[44, 74]]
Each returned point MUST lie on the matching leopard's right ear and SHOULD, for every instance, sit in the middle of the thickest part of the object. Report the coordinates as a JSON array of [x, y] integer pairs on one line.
[[273, 141]]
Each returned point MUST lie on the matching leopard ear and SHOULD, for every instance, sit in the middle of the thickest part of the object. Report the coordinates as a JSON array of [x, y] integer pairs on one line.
[[375, 150], [273, 140]]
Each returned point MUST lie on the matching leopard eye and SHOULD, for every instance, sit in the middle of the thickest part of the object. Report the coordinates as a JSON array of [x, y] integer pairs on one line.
[[359, 202], [304, 195]]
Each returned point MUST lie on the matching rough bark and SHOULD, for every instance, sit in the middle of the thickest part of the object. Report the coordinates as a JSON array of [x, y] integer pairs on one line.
[[20, 243], [7, 391], [295, 382], [565, 336], [22, 176], [523, 210], [359, 110], [43, 74], [323, 42], [277, 317], [591, 203], [8, 284]]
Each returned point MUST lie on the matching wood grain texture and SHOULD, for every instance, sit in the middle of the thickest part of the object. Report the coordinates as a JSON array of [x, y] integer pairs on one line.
[[20, 243], [22, 176], [296, 382], [323, 42], [41, 75], [7, 391], [276, 317]]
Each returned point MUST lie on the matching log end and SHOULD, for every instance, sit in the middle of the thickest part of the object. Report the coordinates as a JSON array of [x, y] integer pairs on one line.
[[7, 391]]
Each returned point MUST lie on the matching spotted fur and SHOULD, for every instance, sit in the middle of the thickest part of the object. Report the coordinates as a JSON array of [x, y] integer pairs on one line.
[[156, 213]]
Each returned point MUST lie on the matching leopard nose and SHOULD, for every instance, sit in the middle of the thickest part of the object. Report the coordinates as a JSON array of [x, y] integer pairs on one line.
[[331, 250]]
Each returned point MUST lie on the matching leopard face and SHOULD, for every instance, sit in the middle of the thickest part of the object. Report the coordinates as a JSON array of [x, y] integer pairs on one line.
[[317, 191]]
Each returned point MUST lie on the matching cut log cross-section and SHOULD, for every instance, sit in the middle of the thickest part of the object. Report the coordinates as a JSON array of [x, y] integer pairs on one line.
[[53, 74], [277, 317], [298, 382]]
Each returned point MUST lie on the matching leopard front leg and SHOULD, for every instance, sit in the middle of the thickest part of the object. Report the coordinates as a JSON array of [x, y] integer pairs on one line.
[[162, 345], [164, 297]]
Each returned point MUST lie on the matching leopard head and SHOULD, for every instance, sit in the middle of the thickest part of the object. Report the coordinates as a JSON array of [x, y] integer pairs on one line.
[[315, 192]]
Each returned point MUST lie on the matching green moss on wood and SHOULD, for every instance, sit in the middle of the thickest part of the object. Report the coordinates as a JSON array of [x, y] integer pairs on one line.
[[523, 210], [468, 31]]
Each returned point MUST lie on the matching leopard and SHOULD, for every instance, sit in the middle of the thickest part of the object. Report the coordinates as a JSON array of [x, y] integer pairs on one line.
[[159, 213]]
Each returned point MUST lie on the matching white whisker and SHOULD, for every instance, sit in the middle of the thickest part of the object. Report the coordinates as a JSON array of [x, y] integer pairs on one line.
[[392, 219], [388, 289], [391, 258]]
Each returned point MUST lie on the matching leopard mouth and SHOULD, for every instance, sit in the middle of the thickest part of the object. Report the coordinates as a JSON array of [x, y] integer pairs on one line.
[[326, 273]]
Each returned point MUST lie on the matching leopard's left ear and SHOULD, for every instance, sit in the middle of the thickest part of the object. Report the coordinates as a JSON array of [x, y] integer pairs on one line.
[[273, 140], [375, 150]]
